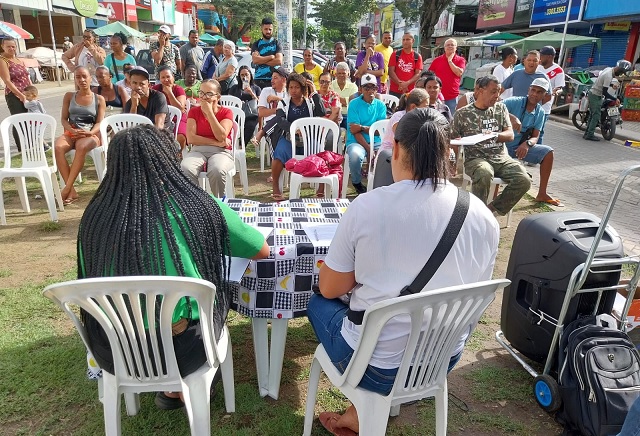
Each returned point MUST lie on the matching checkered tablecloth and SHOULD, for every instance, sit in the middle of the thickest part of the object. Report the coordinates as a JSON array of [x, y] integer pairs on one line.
[[280, 286]]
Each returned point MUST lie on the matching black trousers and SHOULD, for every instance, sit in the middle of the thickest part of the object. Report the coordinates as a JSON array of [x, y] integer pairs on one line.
[[15, 107]]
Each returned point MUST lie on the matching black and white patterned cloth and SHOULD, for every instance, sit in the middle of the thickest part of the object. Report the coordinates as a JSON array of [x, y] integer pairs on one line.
[[280, 286]]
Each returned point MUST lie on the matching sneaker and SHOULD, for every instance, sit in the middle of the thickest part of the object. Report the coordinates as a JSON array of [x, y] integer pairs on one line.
[[591, 138], [360, 188]]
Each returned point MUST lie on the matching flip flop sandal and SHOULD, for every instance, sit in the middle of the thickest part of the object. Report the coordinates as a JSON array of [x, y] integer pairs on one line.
[[69, 201], [552, 201], [277, 197], [329, 420]]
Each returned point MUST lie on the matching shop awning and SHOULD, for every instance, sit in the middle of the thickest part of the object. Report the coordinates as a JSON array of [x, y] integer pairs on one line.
[[554, 39]]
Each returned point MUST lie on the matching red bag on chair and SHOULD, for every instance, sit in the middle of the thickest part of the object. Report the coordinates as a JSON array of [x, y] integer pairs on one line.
[[310, 166]]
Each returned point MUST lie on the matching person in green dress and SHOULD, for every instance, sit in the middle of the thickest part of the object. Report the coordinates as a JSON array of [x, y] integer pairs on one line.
[[148, 218]]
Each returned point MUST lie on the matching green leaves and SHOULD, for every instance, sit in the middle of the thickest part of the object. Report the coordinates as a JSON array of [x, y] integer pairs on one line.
[[339, 19]]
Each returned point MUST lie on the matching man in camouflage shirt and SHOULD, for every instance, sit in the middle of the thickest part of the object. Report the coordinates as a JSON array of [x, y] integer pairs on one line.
[[489, 158]]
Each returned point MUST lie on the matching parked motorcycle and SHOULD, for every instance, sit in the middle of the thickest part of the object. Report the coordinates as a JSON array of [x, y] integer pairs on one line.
[[609, 116]]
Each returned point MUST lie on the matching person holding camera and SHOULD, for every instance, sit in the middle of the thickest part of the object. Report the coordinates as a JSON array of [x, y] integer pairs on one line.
[[248, 92], [86, 54], [165, 53], [527, 118]]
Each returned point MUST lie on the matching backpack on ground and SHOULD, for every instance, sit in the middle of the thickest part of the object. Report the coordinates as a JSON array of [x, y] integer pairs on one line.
[[599, 376]]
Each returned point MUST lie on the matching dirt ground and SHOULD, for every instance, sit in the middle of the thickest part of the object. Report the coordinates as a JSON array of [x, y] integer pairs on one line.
[[34, 250]]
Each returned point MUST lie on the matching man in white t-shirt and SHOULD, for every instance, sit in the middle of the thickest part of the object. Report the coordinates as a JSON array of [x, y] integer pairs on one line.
[[379, 248], [504, 70], [270, 96], [555, 74]]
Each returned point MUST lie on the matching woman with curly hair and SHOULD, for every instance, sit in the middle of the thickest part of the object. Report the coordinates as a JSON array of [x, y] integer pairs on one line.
[[147, 218]]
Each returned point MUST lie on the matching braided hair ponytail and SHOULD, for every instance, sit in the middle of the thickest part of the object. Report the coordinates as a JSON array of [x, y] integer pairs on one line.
[[143, 197]]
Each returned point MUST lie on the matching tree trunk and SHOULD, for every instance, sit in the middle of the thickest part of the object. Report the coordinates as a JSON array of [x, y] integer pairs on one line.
[[429, 16]]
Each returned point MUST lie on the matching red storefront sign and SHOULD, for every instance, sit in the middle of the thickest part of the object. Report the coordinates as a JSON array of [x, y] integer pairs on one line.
[[494, 13], [117, 10]]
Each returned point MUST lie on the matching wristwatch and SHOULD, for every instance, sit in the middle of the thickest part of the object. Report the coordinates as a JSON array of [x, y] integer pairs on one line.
[[530, 143]]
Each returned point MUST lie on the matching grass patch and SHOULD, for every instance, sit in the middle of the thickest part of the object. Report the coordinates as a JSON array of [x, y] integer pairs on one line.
[[49, 226], [5, 273], [484, 387], [539, 205]]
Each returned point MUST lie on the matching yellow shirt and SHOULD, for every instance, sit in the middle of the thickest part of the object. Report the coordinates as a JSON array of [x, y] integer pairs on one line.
[[315, 73], [386, 54], [349, 89]]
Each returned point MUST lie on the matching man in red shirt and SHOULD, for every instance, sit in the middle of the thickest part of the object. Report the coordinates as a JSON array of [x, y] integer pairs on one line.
[[405, 67], [449, 68]]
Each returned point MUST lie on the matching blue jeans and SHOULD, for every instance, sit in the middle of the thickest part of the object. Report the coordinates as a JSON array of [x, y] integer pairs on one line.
[[451, 104], [325, 316], [357, 154], [631, 425], [282, 151]]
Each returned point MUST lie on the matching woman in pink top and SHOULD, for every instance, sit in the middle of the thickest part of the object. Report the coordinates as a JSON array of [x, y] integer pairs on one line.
[[15, 76], [175, 97]]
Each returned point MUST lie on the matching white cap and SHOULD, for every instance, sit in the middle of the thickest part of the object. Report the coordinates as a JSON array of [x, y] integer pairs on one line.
[[164, 29], [368, 79], [542, 83]]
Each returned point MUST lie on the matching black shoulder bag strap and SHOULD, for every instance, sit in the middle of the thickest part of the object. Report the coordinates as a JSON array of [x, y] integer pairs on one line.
[[115, 67], [437, 257]]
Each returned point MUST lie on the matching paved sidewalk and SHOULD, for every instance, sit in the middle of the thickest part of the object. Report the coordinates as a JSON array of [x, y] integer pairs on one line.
[[584, 174], [629, 130]]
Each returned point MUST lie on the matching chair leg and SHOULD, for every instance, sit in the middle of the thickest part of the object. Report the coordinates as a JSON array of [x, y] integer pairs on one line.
[[373, 416], [229, 190], [56, 192], [21, 187], [294, 186], [345, 176], [47, 188], [312, 393], [442, 401], [111, 407], [197, 403], [132, 403], [98, 161], [3, 218]]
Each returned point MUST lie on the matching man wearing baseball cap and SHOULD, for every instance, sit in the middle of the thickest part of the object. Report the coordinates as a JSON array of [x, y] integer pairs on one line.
[[528, 118], [165, 53], [146, 101], [362, 113], [555, 74]]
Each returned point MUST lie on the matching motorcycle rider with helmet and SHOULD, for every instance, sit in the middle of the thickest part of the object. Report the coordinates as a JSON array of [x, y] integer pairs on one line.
[[599, 91]]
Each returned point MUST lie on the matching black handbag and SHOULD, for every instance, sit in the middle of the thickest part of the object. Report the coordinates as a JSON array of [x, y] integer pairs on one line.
[[250, 109]]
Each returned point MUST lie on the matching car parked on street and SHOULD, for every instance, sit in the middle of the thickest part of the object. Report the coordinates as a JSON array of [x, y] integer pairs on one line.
[[144, 59]]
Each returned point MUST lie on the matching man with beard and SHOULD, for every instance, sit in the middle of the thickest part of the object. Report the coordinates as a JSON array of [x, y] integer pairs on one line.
[[266, 53], [146, 101]]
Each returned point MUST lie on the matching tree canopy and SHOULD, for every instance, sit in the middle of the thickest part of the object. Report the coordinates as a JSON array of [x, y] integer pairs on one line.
[[339, 19], [242, 15]]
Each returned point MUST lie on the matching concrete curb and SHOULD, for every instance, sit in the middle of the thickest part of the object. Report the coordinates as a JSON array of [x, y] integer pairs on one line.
[[621, 136]]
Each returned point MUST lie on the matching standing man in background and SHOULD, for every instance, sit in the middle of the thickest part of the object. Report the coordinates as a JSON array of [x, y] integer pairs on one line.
[[265, 54], [505, 69], [449, 68], [212, 59], [405, 67], [555, 74], [192, 54], [165, 53], [385, 48]]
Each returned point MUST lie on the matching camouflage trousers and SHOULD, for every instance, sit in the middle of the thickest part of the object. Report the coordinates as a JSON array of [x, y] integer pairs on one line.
[[509, 170]]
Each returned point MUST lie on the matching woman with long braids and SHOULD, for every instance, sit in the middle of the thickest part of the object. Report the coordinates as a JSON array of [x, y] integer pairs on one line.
[[158, 222], [375, 261]]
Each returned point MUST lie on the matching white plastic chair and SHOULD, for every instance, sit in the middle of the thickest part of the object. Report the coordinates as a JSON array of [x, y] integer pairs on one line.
[[494, 189], [390, 100], [117, 123], [240, 151], [314, 133], [438, 319], [98, 158], [230, 101], [31, 128], [379, 127], [229, 190], [175, 115], [120, 305]]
